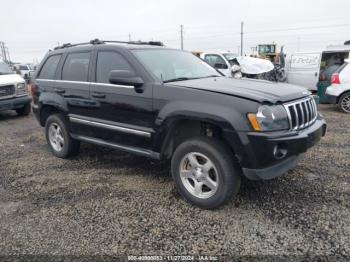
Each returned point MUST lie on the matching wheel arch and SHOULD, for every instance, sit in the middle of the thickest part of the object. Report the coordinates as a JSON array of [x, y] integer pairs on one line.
[[185, 124], [339, 96], [50, 104]]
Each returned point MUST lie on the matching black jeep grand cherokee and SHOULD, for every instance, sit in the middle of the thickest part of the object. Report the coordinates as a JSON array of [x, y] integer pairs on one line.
[[168, 104]]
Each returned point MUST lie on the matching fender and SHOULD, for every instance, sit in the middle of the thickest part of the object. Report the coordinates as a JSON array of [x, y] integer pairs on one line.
[[220, 115], [54, 100]]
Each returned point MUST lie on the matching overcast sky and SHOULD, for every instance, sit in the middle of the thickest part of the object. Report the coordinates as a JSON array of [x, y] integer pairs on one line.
[[30, 28]]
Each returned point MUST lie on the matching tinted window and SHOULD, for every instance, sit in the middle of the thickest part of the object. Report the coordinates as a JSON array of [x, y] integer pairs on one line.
[[49, 68], [108, 61], [76, 67]]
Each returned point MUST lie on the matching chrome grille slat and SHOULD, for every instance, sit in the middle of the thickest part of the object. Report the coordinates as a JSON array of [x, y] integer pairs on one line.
[[7, 91], [301, 113], [296, 116]]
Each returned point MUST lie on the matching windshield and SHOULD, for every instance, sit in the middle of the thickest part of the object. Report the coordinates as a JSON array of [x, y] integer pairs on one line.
[[5, 69], [174, 65], [230, 56], [23, 67]]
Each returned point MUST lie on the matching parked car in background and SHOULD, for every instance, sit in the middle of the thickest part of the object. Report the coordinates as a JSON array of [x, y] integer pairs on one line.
[[339, 92], [308, 69], [221, 61], [164, 103], [25, 70], [13, 91]]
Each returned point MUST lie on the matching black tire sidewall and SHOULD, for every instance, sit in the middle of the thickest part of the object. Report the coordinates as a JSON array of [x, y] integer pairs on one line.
[[24, 111], [58, 119], [229, 176]]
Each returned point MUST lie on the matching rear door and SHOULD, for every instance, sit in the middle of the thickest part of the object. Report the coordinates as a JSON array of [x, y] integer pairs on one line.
[[304, 70], [74, 87]]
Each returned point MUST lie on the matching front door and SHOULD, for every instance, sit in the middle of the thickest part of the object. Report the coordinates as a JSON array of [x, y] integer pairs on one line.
[[121, 115], [218, 63]]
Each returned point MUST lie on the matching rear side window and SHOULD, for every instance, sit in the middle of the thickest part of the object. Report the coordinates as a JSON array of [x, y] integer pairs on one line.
[[49, 68], [108, 61], [76, 67]]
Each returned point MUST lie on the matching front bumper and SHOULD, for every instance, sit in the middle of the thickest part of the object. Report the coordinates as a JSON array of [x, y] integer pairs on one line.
[[257, 150], [14, 103]]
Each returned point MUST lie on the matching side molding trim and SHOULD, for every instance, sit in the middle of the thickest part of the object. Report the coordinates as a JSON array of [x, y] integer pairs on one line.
[[109, 126]]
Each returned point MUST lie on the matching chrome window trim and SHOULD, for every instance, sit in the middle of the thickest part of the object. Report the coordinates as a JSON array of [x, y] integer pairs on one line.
[[109, 126], [85, 83]]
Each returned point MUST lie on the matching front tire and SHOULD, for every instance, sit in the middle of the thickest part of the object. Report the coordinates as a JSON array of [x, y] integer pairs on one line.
[[205, 172], [23, 111], [344, 103], [61, 144]]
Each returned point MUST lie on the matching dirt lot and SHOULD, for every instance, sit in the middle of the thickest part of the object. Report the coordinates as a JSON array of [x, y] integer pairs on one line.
[[112, 203]]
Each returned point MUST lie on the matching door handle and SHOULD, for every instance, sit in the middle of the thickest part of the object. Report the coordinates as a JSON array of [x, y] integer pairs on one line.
[[98, 95], [59, 90]]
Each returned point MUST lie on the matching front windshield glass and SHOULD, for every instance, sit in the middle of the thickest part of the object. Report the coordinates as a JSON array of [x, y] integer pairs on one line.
[[230, 56], [5, 69], [174, 65]]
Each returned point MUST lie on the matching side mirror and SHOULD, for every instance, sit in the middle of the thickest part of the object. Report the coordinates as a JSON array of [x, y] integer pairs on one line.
[[220, 66], [125, 77]]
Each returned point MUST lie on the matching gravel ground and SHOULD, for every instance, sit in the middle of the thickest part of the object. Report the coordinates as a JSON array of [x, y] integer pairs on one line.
[[104, 202]]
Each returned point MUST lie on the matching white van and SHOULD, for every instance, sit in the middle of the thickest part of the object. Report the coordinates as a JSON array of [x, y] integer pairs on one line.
[[308, 68]]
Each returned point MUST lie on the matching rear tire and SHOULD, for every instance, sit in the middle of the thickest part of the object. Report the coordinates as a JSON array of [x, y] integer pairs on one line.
[[60, 142], [344, 103], [23, 111], [205, 172]]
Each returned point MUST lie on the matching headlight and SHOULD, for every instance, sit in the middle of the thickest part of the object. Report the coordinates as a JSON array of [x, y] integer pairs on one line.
[[269, 118], [21, 89]]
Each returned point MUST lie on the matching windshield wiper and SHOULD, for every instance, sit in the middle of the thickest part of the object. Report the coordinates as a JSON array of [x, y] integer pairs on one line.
[[209, 76], [179, 79], [187, 78]]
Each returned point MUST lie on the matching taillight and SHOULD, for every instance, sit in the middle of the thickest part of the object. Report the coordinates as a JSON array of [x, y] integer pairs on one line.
[[33, 88], [335, 78]]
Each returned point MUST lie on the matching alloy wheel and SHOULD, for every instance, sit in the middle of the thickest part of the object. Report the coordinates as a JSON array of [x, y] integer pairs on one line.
[[56, 137], [199, 175], [345, 104]]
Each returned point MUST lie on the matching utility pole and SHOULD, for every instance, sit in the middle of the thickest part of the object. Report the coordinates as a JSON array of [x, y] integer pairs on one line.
[[129, 37], [242, 38], [3, 51], [8, 55], [182, 36]]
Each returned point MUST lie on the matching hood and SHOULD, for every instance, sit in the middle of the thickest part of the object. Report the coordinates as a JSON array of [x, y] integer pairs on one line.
[[257, 90], [10, 79]]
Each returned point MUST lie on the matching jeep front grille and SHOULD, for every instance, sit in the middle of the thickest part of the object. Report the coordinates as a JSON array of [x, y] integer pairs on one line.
[[301, 113], [7, 91]]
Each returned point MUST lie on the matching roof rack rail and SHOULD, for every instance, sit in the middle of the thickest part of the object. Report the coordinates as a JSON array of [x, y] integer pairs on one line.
[[98, 42]]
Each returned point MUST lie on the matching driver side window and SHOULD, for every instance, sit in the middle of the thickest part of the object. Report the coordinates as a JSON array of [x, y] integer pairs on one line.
[[215, 61]]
